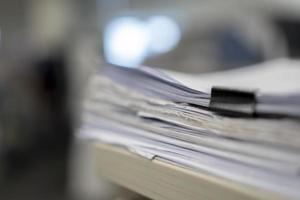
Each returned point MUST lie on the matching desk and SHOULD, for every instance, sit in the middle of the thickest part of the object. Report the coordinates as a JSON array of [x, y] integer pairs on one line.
[[160, 180]]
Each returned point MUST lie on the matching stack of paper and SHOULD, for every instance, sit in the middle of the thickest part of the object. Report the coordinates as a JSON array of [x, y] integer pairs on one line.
[[168, 115]]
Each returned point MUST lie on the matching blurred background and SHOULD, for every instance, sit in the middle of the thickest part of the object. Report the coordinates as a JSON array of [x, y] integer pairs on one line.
[[48, 48]]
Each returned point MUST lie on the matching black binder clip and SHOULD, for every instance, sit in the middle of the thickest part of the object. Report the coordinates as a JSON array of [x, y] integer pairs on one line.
[[233, 102]]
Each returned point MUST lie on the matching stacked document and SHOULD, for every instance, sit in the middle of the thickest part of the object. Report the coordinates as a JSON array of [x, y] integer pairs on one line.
[[241, 125]]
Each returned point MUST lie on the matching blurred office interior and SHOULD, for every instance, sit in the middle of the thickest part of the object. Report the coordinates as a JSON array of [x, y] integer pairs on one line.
[[49, 48]]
